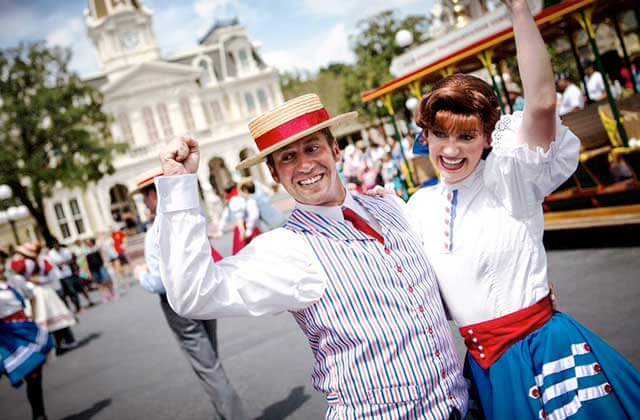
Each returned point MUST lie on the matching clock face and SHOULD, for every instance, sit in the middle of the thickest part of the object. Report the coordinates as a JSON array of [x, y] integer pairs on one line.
[[129, 40]]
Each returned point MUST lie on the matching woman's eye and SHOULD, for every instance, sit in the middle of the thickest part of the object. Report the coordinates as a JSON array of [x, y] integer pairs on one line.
[[439, 134], [467, 137]]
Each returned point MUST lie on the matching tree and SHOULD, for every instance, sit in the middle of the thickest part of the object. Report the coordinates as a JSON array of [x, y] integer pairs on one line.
[[53, 132], [328, 83], [374, 47]]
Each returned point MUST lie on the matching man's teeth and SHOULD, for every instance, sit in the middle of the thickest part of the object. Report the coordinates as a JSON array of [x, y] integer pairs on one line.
[[311, 180], [452, 161]]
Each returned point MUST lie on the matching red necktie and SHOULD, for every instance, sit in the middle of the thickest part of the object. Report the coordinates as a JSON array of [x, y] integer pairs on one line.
[[361, 224]]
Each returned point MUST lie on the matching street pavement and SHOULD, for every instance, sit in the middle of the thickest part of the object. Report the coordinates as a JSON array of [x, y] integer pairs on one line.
[[129, 366]]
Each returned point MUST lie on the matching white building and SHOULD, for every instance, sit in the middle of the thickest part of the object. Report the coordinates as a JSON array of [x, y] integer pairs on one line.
[[211, 92]]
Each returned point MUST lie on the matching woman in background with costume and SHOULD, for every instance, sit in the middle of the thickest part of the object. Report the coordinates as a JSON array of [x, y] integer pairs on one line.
[[23, 345]]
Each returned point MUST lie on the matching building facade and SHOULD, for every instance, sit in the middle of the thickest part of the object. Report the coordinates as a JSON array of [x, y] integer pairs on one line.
[[210, 92]]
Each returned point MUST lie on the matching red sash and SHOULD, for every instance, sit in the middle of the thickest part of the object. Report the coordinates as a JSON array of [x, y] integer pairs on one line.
[[487, 341], [19, 316]]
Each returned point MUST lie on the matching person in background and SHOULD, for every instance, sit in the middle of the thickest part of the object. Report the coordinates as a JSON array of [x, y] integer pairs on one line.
[[63, 258], [119, 259], [269, 214], [197, 338], [515, 96], [49, 311], [595, 82], [243, 214], [572, 98], [99, 272], [23, 344]]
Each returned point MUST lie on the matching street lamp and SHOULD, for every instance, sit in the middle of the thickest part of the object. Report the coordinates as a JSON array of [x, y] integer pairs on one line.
[[403, 38], [412, 103], [13, 213]]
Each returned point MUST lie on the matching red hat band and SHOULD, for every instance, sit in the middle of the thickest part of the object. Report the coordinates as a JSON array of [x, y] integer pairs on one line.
[[291, 128]]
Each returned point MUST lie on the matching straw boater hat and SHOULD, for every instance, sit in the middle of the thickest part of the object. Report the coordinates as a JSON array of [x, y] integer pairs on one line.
[[288, 123], [146, 179], [30, 250]]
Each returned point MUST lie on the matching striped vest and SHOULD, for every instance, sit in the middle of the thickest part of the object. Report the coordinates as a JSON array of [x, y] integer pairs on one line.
[[379, 333]]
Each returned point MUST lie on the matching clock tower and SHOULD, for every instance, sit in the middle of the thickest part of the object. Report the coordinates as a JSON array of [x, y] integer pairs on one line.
[[122, 33]]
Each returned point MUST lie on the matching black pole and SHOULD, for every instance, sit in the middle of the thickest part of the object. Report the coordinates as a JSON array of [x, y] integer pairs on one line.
[[625, 54], [576, 56]]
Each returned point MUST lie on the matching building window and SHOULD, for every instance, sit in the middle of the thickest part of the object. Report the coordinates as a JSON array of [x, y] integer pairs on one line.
[[205, 74], [186, 114], [167, 130], [125, 128], [76, 215], [244, 59], [63, 224], [250, 102], [216, 112], [152, 130], [262, 100]]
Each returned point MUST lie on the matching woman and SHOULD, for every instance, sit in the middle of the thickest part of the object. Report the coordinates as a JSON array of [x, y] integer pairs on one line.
[[50, 312], [242, 212], [23, 345], [482, 228]]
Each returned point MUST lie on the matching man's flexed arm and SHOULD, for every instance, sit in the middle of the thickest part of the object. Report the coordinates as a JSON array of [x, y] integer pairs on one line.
[[255, 282]]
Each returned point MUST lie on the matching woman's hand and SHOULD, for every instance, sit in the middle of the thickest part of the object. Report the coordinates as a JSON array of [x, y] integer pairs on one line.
[[378, 191]]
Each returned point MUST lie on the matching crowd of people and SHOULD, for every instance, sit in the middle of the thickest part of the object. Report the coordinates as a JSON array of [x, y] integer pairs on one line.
[[41, 297], [386, 163], [572, 98]]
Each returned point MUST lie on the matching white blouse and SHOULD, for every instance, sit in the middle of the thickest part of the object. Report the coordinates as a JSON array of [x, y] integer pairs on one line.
[[484, 235]]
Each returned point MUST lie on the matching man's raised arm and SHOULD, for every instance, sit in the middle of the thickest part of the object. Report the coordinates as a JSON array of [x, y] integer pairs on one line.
[[275, 273]]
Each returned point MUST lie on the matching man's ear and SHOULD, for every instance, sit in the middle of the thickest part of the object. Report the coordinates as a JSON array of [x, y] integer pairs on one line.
[[273, 172], [337, 153]]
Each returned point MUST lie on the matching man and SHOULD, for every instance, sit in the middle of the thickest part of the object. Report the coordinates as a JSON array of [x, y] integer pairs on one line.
[[571, 99], [595, 83], [62, 257], [348, 268], [196, 338]]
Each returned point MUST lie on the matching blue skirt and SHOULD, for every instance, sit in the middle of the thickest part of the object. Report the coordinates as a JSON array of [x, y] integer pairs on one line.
[[561, 370], [23, 347]]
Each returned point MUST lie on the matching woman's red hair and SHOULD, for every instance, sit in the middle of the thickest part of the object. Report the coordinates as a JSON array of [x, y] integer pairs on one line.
[[459, 101]]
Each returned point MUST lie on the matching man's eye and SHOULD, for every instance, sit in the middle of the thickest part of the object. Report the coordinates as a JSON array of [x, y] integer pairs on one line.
[[287, 157]]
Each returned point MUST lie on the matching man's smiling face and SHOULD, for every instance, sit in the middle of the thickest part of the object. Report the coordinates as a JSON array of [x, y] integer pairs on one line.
[[307, 170]]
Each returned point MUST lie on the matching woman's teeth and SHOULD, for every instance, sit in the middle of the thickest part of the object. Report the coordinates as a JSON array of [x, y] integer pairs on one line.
[[451, 164], [311, 181]]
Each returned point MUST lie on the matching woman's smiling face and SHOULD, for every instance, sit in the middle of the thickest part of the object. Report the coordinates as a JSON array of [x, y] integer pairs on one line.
[[456, 144]]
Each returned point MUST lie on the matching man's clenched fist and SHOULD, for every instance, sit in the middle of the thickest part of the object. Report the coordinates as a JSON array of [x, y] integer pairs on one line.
[[180, 157]]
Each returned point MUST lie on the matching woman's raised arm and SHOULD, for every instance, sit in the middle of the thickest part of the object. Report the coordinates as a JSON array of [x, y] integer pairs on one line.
[[539, 115]]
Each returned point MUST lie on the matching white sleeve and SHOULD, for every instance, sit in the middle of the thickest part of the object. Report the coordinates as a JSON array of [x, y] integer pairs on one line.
[[253, 215], [519, 177], [276, 272], [151, 280]]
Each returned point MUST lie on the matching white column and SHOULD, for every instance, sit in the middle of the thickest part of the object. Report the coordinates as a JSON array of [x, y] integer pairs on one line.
[[198, 111]]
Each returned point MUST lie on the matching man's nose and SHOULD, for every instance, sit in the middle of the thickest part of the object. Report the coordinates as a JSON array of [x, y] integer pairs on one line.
[[305, 164]]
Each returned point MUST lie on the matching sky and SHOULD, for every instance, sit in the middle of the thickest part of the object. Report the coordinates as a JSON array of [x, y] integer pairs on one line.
[[293, 34]]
